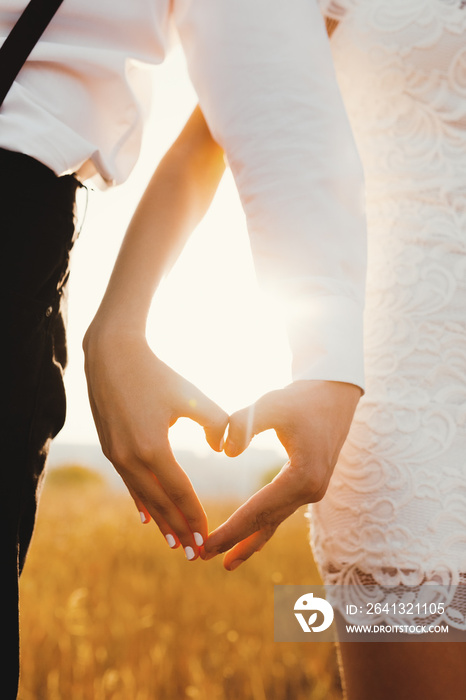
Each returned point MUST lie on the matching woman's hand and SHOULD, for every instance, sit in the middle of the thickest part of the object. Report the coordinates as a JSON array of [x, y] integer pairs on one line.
[[135, 398], [311, 419]]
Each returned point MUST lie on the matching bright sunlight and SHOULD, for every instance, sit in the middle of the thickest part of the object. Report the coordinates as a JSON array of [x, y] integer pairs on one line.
[[209, 321]]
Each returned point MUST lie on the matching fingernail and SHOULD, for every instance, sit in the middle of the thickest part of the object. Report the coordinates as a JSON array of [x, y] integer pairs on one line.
[[234, 564], [222, 442], [143, 517], [171, 540], [189, 551], [199, 540]]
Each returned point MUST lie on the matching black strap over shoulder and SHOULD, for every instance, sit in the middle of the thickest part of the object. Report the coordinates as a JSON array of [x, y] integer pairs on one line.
[[22, 39]]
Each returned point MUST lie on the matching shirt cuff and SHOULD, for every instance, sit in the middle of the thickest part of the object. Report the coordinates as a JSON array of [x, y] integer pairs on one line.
[[326, 339]]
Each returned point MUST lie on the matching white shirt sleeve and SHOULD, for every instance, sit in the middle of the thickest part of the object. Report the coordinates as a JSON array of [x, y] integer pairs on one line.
[[263, 73]]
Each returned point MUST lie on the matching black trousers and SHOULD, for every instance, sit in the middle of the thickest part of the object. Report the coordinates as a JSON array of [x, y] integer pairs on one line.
[[37, 231]]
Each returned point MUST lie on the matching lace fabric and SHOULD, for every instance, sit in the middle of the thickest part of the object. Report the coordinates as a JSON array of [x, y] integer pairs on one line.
[[434, 601], [395, 509], [336, 9]]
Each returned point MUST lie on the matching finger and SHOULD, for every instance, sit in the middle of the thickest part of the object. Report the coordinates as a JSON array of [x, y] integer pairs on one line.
[[143, 512], [245, 549], [244, 424], [171, 521], [208, 414], [179, 489], [264, 511], [170, 537]]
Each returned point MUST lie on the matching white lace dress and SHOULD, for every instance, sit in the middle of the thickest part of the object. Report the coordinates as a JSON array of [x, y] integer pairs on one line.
[[395, 510]]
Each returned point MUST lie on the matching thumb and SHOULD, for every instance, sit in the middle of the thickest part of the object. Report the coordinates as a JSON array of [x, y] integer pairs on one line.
[[209, 415], [244, 424]]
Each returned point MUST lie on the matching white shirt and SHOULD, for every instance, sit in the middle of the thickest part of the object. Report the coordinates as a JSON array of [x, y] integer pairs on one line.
[[263, 73]]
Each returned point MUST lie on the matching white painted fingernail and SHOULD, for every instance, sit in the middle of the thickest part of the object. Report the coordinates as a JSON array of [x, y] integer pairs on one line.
[[171, 540], [142, 516], [189, 551], [199, 540]]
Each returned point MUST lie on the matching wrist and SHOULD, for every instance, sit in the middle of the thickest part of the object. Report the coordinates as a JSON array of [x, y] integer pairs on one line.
[[105, 333]]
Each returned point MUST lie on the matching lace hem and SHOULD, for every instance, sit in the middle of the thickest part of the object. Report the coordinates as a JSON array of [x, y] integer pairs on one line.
[[435, 600], [386, 589]]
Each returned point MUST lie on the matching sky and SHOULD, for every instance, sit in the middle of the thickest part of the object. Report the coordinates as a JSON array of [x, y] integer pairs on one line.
[[209, 320]]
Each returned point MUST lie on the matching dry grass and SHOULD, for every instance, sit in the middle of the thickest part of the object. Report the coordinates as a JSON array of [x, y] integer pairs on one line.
[[109, 612]]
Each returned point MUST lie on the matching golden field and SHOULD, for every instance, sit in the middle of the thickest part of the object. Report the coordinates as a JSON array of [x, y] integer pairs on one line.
[[109, 612]]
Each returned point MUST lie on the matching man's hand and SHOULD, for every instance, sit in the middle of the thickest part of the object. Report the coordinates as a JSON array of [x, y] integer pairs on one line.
[[135, 398], [311, 419]]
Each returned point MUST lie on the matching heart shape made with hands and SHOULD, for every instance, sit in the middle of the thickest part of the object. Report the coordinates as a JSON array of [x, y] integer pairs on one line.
[[135, 398], [311, 420]]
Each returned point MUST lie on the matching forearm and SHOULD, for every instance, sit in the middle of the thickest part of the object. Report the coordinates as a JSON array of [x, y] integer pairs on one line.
[[177, 197], [134, 396]]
